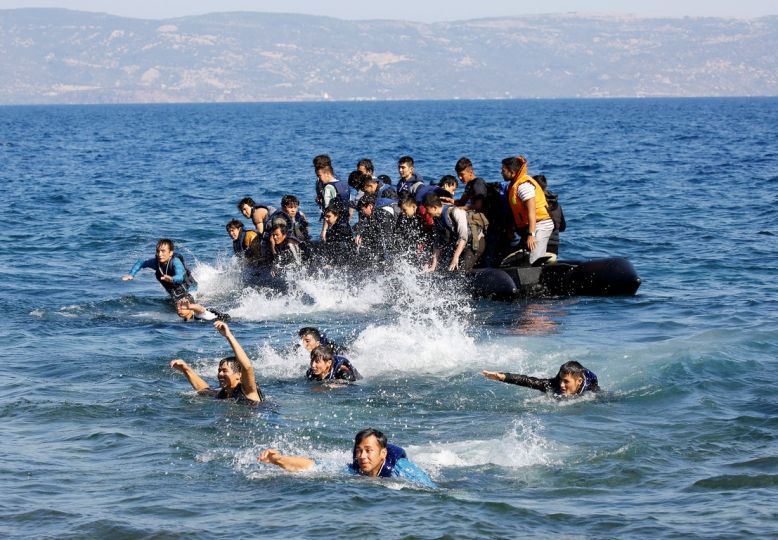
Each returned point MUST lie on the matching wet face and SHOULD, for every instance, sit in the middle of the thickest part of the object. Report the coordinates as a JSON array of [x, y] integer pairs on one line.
[[320, 367], [466, 175], [309, 342], [369, 456], [366, 211], [227, 377], [408, 209], [405, 170], [234, 232], [330, 218], [164, 253], [569, 384], [245, 210], [291, 210], [277, 236]]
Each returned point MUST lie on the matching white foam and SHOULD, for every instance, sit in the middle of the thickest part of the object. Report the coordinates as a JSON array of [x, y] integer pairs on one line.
[[521, 446], [272, 364], [409, 326]]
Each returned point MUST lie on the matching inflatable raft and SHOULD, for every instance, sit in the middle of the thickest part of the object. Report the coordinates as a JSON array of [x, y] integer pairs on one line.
[[613, 276]]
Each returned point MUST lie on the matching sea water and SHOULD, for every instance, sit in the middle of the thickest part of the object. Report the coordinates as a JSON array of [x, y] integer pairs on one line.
[[101, 439]]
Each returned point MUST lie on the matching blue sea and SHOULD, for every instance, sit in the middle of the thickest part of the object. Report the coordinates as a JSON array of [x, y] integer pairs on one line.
[[101, 439]]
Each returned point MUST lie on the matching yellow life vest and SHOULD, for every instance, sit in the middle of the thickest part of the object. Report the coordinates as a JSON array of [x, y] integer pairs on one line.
[[518, 208]]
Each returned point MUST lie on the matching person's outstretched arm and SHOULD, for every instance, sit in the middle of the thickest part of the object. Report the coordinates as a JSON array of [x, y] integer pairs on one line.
[[140, 263], [194, 379], [288, 463], [247, 380], [544, 385]]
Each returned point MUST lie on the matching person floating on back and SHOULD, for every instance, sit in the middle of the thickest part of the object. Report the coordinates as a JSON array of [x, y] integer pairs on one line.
[[372, 455], [572, 379], [236, 374], [170, 271]]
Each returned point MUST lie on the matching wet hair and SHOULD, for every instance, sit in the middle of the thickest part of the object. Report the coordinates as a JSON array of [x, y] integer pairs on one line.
[[449, 180], [234, 224], [354, 179], [367, 179], [309, 331], [322, 161], [370, 432], [463, 164], [432, 201], [572, 368], [405, 159], [323, 352], [246, 200], [514, 164], [366, 200], [165, 242], [233, 362], [367, 164], [289, 200], [407, 198], [385, 179], [334, 208], [278, 226]]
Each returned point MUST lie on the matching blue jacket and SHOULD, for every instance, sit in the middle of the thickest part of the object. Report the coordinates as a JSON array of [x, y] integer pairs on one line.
[[175, 268], [397, 465], [336, 373], [410, 185]]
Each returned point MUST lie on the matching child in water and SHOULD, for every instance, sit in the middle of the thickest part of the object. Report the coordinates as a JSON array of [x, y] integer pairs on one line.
[[572, 379]]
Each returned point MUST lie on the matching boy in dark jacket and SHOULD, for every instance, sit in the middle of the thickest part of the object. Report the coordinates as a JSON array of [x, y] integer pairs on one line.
[[572, 379]]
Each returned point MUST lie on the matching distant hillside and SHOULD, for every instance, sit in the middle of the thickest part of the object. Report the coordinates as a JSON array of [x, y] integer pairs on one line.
[[61, 56]]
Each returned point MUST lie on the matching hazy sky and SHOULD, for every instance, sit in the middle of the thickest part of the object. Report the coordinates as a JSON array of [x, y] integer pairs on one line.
[[415, 10]]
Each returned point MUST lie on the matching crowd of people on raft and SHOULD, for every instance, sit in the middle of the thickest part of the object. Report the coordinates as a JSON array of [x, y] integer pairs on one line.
[[367, 220], [423, 223]]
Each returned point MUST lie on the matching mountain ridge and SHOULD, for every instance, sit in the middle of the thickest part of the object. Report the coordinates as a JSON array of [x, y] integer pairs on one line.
[[64, 56]]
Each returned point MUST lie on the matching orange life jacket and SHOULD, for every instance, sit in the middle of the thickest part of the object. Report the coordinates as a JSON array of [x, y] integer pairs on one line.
[[519, 208]]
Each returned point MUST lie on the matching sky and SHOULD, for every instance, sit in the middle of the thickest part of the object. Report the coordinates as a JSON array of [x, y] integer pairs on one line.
[[414, 10]]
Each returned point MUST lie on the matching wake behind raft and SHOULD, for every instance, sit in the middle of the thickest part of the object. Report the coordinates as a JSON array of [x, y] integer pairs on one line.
[[613, 276], [515, 278]]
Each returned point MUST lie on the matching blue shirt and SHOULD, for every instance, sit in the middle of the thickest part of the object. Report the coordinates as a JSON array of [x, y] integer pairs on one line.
[[179, 272], [405, 469]]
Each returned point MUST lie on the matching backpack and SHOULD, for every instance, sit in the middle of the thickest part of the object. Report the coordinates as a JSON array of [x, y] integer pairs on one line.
[[555, 211]]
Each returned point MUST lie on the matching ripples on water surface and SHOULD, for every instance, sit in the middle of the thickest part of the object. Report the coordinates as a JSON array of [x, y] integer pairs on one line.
[[101, 439]]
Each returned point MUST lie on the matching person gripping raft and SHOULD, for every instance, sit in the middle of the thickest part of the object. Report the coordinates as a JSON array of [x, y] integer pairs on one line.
[[170, 270]]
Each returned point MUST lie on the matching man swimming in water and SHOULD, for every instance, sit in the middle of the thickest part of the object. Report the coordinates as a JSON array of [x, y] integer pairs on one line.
[[170, 271], [326, 366], [572, 379], [372, 456], [236, 374], [311, 338]]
